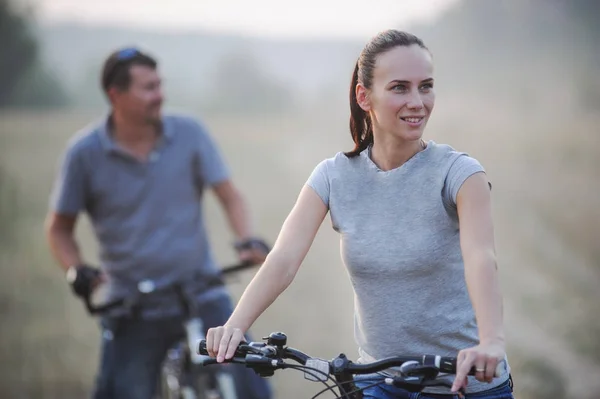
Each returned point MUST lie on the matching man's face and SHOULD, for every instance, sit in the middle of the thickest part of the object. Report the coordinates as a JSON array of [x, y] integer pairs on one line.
[[143, 99]]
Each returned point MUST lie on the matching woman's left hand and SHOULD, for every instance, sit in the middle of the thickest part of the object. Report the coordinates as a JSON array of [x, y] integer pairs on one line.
[[485, 357]]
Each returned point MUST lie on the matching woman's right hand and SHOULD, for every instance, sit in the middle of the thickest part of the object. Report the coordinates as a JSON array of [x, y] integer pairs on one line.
[[222, 341]]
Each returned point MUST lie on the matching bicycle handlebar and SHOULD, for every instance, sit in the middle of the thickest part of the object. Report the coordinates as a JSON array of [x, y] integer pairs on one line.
[[415, 373], [146, 287], [445, 364]]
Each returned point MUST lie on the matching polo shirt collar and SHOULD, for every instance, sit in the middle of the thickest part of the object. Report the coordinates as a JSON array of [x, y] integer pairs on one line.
[[110, 144]]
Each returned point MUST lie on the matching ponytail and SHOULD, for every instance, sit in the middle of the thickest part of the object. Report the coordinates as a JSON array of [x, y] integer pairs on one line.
[[361, 128]]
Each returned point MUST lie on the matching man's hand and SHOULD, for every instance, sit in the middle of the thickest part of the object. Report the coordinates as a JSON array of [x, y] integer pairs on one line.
[[485, 357], [84, 279], [253, 250]]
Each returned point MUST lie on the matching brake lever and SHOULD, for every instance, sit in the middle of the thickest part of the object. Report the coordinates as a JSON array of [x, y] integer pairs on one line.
[[442, 383], [414, 377], [409, 383], [416, 383]]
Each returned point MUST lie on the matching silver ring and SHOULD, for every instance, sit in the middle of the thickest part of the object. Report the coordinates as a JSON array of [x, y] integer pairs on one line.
[[480, 370]]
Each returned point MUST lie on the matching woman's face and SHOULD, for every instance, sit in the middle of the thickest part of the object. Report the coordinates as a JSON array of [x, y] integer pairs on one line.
[[401, 97]]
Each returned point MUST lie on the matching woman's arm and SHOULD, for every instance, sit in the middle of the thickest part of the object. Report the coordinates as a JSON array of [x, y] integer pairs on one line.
[[275, 275], [479, 255]]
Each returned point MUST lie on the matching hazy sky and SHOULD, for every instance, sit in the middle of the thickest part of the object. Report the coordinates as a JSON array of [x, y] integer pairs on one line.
[[350, 18]]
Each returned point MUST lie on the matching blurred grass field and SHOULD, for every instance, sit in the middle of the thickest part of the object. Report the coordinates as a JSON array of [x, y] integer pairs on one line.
[[547, 224]]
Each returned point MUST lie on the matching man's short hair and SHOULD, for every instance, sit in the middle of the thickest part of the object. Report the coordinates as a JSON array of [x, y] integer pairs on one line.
[[115, 72]]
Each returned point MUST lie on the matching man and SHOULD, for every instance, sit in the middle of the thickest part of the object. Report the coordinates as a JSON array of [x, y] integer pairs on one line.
[[140, 174]]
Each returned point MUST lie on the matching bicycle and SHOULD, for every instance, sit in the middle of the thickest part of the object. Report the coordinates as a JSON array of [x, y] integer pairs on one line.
[[182, 375], [415, 372]]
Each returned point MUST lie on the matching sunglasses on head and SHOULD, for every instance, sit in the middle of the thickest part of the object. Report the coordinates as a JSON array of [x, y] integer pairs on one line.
[[127, 53]]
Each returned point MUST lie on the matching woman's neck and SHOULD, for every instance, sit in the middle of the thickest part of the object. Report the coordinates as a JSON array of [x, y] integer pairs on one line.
[[391, 154]]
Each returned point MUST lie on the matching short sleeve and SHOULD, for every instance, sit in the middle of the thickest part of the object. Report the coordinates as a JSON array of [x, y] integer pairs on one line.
[[211, 165], [319, 181], [68, 195], [462, 168]]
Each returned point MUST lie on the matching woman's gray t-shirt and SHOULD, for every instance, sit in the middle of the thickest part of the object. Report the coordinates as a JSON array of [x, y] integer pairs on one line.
[[400, 243]]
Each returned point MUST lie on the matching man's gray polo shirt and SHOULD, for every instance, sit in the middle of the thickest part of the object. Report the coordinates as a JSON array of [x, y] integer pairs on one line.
[[147, 216]]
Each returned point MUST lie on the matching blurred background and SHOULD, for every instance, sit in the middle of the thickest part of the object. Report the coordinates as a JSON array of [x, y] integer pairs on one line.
[[517, 86]]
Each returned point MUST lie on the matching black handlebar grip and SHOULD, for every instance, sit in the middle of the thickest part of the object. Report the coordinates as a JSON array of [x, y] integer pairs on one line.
[[202, 347]]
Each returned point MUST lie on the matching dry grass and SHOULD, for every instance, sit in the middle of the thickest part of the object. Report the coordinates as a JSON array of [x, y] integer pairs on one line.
[[546, 221]]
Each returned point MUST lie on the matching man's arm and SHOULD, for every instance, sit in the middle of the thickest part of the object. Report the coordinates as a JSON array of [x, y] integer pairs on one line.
[[60, 234], [214, 173], [250, 248], [68, 200], [235, 208]]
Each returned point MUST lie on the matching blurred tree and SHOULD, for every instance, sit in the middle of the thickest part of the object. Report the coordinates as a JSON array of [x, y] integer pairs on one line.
[[8, 210], [586, 12], [23, 80], [18, 49]]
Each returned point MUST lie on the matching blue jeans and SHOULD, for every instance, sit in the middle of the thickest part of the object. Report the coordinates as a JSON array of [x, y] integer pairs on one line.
[[133, 350], [383, 391]]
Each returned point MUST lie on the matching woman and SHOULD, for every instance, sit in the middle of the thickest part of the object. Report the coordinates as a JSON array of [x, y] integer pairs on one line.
[[416, 228]]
